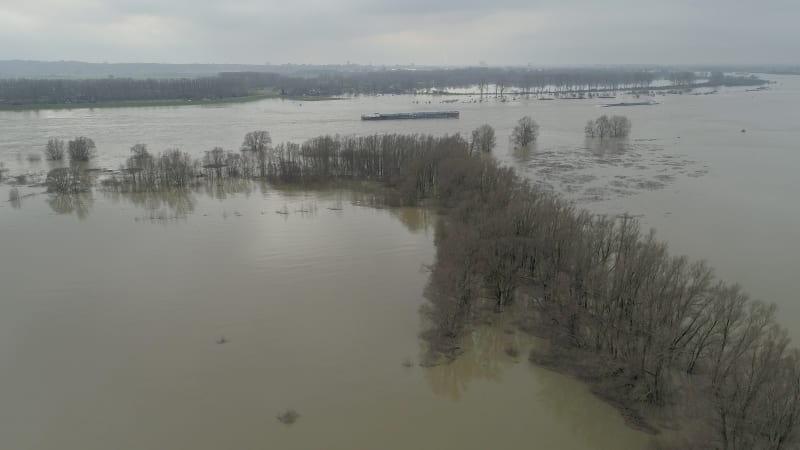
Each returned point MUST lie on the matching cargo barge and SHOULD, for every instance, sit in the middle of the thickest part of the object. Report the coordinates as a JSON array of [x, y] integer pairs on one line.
[[650, 103], [412, 115]]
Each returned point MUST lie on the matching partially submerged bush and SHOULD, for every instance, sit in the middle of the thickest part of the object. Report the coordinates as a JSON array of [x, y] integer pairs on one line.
[[54, 149], [612, 127], [81, 149], [13, 195], [144, 171], [67, 180], [33, 157]]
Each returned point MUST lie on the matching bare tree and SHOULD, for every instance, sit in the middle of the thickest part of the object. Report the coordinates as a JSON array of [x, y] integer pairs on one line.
[[526, 132], [81, 149], [54, 149], [589, 130], [483, 139], [612, 127], [257, 143]]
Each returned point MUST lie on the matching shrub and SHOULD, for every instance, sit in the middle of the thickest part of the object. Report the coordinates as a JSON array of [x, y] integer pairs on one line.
[[81, 149], [67, 180], [54, 149], [612, 127]]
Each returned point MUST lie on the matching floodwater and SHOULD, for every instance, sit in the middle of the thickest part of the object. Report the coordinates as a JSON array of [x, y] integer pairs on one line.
[[111, 306], [113, 313]]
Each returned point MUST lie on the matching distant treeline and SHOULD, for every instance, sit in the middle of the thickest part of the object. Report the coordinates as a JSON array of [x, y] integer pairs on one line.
[[37, 91], [240, 84], [409, 81]]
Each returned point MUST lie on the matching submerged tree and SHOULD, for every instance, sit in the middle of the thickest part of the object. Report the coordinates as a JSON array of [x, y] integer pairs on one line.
[[526, 132], [612, 127], [140, 164], [483, 139], [81, 149], [54, 149], [67, 180], [257, 144]]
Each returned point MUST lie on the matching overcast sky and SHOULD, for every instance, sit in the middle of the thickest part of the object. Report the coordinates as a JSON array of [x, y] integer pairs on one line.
[[448, 32]]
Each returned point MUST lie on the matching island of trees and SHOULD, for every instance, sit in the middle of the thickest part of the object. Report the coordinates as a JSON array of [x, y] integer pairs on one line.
[[604, 126]]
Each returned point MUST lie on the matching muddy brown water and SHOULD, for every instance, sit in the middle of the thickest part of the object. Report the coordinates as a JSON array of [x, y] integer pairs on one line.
[[111, 307], [111, 320]]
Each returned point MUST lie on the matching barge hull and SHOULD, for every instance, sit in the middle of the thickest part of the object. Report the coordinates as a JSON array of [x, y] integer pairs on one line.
[[413, 115]]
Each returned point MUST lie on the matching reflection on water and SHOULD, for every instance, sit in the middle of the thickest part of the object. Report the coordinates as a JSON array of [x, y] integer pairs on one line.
[[525, 154], [15, 202], [483, 359], [414, 219], [171, 204], [78, 204], [605, 148], [300, 201], [221, 189]]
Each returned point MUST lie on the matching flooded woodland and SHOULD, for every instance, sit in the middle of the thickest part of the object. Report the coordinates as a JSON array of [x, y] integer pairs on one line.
[[193, 317]]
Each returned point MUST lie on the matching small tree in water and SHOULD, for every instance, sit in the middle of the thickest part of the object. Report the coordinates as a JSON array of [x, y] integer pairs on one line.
[[526, 132], [483, 139], [257, 144], [54, 149], [81, 149], [612, 127], [67, 180]]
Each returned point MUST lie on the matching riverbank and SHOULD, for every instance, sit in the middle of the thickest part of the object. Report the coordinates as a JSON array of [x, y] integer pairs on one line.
[[163, 103], [140, 103]]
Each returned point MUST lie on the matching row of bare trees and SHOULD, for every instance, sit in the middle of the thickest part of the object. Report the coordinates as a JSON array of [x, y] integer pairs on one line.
[[376, 157]]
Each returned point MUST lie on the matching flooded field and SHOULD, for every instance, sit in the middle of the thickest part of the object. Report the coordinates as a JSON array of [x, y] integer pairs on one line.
[[191, 321]]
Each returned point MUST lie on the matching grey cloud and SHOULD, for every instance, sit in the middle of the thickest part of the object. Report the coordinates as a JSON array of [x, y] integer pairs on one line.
[[379, 31]]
